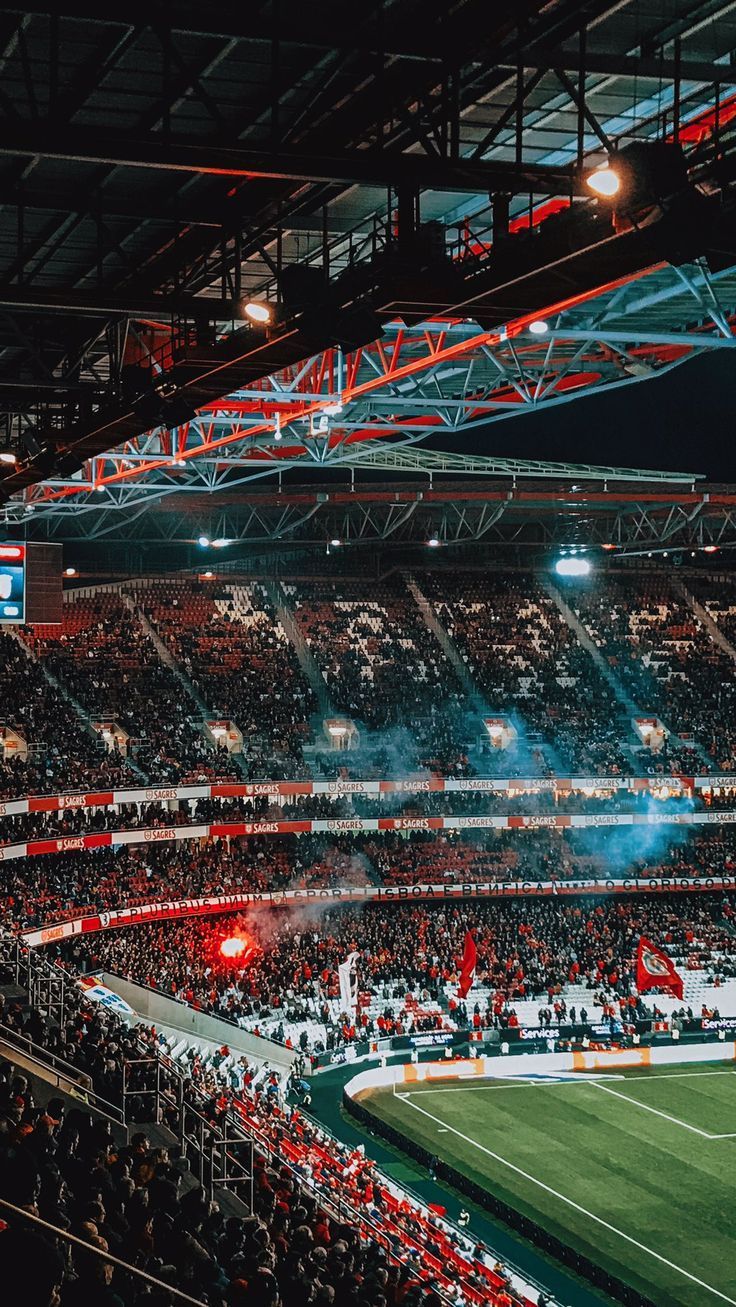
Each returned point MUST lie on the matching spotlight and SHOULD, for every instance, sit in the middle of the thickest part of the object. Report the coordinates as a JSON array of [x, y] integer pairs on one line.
[[70, 571], [710, 549], [608, 546], [208, 575], [257, 311], [219, 544], [178, 462], [572, 566], [539, 327], [604, 181], [335, 543], [433, 542], [203, 542], [7, 456]]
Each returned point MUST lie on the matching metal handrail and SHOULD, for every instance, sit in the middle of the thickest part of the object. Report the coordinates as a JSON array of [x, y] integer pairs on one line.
[[51, 1061], [98, 1252]]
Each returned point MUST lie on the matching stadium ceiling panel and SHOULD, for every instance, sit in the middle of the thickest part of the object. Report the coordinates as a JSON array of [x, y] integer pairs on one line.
[[407, 193]]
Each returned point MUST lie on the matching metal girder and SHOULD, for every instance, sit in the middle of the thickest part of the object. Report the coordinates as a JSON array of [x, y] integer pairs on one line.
[[368, 167], [527, 520], [403, 458], [372, 407]]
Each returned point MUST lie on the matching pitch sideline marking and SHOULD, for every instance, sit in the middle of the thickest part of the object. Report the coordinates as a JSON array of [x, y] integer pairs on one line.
[[645, 1107], [518, 1083], [571, 1203]]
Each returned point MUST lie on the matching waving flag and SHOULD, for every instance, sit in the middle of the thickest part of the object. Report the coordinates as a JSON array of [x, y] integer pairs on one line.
[[348, 974], [656, 970], [467, 970]]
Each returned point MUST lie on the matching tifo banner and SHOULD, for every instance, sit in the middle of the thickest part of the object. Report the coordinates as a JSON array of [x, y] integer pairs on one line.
[[216, 904], [342, 825], [663, 786]]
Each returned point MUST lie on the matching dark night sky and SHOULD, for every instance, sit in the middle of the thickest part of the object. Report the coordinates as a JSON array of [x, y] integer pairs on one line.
[[682, 421]]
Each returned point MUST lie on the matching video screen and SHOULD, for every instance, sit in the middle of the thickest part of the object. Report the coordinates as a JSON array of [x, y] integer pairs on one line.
[[12, 583]]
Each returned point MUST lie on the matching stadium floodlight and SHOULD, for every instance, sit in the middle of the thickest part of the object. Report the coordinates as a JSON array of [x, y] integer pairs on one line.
[[433, 542], [70, 571], [604, 180], [539, 327], [222, 543], [257, 311], [7, 456], [335, 544], [203, 542], [572, 566]]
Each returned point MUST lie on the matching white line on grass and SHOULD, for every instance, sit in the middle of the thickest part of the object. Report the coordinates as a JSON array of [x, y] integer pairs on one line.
[[517, 1083], [645, 1107], [571, 1203]]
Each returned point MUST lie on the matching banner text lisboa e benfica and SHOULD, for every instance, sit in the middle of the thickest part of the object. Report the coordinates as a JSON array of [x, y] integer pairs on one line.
[[215, 904]]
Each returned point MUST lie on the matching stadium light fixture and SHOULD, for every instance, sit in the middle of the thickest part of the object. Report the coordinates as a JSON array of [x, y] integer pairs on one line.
[[203, 542], [710, 549], [222, 543], [433, 542], [257, 311], [70, 571], [539, 327], [604, 181], [335, 544], [572, 566], [208, 575], [7, 456]]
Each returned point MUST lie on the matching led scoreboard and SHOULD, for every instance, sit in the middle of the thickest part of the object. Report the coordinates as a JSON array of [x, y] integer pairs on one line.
[[30, 583], [12, 583]]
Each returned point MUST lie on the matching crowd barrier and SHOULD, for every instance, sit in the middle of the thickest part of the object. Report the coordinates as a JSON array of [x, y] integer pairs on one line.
[[664, 786], [218, 904], [158, 1009], [347, 825]]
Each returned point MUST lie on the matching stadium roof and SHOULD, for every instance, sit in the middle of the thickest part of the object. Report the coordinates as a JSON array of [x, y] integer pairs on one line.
[[405, 187]]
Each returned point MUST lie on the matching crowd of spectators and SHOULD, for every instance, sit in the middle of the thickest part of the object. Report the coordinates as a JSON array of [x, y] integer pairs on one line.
[[529, 666], [72, 883], [237, 655], [70, 820], [526, 950], [60, 752], [324, 1227], [104, 658], [386, 670], [668, 663]]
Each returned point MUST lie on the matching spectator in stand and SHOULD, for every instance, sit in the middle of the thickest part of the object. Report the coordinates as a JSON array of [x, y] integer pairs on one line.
[[408, 960]]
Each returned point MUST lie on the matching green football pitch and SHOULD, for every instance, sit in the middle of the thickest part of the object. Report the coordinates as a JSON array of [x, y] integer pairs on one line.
[[635, 1170]]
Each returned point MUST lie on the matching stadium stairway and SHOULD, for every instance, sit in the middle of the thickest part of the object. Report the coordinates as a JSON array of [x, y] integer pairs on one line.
[[434, 625], [80, 712], [711, 626], [306, 659], [165, 654], [576, 626]]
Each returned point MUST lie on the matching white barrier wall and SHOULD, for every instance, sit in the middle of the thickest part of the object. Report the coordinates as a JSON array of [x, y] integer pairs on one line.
[[525, 1064], [157, 1008]]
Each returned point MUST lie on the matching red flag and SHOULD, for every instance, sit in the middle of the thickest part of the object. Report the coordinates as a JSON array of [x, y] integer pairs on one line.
[[656, 970], [467, 970]]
